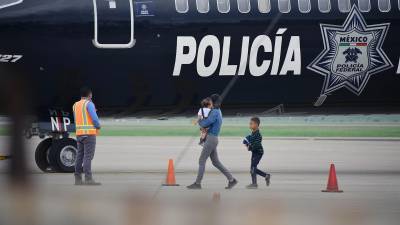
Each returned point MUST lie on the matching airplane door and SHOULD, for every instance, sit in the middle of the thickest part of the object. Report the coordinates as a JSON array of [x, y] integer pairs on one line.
[[111, 29]]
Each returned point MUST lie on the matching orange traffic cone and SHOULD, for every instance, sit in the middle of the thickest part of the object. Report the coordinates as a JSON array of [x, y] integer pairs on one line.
[[332, 181], [170, 181]]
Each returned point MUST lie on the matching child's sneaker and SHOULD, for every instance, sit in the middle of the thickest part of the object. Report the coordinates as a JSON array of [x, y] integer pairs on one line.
[[268, 179], [252, 186]]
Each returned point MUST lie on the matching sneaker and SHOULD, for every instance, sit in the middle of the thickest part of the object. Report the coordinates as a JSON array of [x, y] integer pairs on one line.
[[267, 179], [252, 186], [194, 186], [231, 184], [91, 183], [78, 180]]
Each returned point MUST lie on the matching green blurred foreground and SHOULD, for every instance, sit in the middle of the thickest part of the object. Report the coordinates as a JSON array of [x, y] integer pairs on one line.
[[268, 131], [283, 126], [380, 125]]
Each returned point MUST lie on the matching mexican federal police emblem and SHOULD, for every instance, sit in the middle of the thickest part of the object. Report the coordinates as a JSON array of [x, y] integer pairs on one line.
[[352, 53]]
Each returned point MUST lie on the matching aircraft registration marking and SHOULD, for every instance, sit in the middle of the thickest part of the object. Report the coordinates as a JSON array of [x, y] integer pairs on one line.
[[10, 58]]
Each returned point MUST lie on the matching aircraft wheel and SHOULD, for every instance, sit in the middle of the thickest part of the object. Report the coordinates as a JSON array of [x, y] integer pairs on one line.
[[41, 155], [62, 155]]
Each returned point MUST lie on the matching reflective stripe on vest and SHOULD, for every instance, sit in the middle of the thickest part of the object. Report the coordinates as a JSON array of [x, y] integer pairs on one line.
[[83, 122]]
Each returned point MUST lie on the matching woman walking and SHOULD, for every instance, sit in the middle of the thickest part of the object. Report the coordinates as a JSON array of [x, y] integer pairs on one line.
[[213, 122]]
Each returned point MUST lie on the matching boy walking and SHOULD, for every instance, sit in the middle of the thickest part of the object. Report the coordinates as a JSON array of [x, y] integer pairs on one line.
[[253, 142]]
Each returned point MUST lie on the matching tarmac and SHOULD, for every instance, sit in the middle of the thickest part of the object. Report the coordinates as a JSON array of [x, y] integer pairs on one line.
[[132, 170]]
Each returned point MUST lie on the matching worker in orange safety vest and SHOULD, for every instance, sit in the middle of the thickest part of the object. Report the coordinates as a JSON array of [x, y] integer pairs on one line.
[[87, 125]]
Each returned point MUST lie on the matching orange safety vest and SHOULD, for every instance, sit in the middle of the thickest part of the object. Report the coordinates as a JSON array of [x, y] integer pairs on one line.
[[83, 122]]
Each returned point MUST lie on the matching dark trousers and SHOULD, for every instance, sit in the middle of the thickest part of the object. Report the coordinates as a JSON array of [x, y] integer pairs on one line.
[[254, 171], [86, 149]]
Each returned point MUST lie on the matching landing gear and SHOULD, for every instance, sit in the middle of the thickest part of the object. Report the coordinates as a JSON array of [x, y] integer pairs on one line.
[[56, 155], [41, 155], [62, 155]]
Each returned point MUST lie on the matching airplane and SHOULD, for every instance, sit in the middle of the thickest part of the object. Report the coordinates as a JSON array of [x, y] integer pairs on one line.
[[156, 56]]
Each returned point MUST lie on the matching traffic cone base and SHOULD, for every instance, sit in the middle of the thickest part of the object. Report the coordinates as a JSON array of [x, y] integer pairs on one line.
[[333, 191], [332, 186], [170, 180]]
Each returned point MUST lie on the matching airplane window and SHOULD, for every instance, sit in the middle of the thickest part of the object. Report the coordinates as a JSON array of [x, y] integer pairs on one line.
[[182, 6], [384, 5], [344, 5], [324, 6], [304, 6], [264, 6], [364, 5], [244, 6], [223, 6], [284, 6], [203, 6], [7, 3]]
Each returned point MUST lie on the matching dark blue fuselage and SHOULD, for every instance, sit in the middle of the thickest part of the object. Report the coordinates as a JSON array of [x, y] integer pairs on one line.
[[55, 40]]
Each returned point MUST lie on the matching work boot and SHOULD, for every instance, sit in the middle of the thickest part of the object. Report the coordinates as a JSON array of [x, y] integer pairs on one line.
[[268, 179], [252, 186], [231, 184], [91, 182], [194, 186], [78, 180]]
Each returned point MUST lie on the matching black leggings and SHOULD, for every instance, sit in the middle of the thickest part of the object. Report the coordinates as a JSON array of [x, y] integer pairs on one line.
[[254, 171]]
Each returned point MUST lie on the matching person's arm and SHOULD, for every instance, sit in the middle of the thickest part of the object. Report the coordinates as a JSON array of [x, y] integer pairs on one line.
[[92, 112], [212, 117], [250, 138], [73, 112], [196, 121], [246, 142]]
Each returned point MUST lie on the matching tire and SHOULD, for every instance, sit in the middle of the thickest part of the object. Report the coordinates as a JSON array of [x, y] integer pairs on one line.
[[62, 155], [41, 155]]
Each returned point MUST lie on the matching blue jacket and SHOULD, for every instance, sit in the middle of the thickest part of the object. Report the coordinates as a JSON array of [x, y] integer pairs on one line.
[[213, 122]]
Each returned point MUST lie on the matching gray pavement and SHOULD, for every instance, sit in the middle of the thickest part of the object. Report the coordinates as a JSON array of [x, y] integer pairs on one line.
[[293, 155], [132, 169]]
